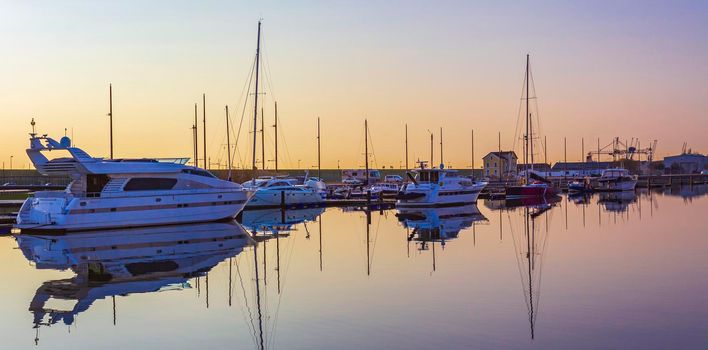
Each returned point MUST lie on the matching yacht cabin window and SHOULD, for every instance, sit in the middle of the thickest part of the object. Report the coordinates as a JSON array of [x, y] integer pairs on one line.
[[428, 176], [198, 172], [149, 184]]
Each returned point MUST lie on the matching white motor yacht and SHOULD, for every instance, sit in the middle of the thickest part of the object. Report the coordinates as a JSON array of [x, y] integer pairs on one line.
[[438, 187], [616, 179], [318, 185], [272, 192], [116, 193]]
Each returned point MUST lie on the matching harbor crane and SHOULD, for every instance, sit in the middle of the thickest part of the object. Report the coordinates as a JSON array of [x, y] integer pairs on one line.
[[624, 150]]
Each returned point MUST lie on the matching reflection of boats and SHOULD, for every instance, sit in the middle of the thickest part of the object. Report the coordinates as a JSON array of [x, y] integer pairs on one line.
[[437, 187], [617, 201], [529, 257], [123, 262], [438, 224], [274, 220], [499, 204], [579, 197], [686, 191], [616, 180], [110, 193]]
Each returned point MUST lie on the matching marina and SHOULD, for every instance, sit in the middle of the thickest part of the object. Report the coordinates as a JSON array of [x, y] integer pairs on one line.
[[353, 175]]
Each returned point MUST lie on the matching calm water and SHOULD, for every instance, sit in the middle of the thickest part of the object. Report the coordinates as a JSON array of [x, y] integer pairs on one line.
[[617, 271]]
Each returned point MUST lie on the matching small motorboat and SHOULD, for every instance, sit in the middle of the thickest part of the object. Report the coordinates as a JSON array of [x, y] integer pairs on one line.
[[580, 186], [616, 179]]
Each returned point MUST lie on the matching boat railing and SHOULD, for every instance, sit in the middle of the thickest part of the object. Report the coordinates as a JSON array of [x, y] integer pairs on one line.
[[51, 194]]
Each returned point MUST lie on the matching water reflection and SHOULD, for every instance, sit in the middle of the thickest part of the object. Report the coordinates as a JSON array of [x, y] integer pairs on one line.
[[438, 224], [530, 247], [286, 293], [686, 192], [276, 220], [499, 204], [124, 262], [616, 201]]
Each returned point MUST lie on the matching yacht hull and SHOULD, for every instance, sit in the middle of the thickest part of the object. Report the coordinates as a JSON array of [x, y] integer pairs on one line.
[[439, 197], [264, 198], [48, 214], [616, 186]]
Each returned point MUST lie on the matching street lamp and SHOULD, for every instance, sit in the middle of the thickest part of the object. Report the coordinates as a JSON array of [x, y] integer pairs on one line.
[[11, 162]]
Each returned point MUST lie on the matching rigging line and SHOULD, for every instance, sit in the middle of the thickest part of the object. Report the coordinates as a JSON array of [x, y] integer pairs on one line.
[[244, 95], [373, 248], [373, 153], [245, 298], [266, 66], [538, 112], [519, 262], [540, 273], [281, 133], [291, 249], [517, 129], [359, 150]]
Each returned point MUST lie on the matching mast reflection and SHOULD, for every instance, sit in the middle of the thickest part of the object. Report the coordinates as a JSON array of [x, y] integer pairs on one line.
[[529, 250]]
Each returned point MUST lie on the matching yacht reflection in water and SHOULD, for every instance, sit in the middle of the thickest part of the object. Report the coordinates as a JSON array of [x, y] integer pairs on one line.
[[438, 224], [276, 220], [617, 202], [113, 263], [427, 226]]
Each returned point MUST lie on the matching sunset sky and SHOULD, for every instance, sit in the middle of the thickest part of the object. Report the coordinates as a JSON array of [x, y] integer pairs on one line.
[[621, 68]]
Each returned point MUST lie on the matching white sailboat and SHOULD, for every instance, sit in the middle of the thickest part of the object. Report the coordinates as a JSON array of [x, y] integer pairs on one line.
[[270, 192]]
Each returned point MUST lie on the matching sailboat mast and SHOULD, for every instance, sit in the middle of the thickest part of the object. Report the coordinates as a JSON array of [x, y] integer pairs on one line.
[[228, 142], [263, 160], [275, 126], [531, 140], [255, 96], [366, 149], [196, 137], [526, 148], [472, 153], [110, 114], [204, 129], [319, 159], [441, 148], [406, 146]]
